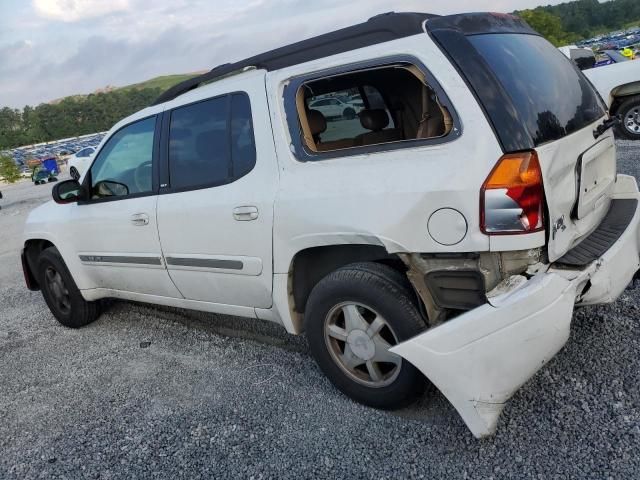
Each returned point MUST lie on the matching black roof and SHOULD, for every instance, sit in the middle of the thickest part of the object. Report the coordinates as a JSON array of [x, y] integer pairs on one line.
[[378, 29]]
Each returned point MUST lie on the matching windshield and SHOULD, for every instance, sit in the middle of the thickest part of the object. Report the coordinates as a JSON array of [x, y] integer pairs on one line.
[[550, 95]]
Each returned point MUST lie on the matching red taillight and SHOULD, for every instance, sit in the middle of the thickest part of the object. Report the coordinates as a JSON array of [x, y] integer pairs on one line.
[[512, 196]]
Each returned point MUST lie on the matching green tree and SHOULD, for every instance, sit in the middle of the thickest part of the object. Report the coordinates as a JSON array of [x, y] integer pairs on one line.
[[548, 25], [71, 116], [8, 169]]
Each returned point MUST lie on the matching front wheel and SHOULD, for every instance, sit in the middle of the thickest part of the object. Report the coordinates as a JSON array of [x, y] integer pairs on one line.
[[74, 173], [629, 111], [61, 293], [352, 318], [349, 114]]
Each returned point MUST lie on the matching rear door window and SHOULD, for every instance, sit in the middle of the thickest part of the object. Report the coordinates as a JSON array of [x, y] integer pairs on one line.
[[211, 142]]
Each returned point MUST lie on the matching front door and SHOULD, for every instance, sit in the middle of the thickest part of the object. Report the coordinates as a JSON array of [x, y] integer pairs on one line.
[[215, 209], [115, 233]]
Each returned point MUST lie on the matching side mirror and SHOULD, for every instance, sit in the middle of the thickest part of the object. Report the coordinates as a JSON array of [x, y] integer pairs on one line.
[[69, 191]]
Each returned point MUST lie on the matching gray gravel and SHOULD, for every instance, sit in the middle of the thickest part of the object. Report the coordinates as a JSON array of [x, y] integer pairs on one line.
[[147, 392]]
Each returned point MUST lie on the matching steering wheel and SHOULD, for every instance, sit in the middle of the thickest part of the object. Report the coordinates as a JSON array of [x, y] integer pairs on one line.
[[142, 176]]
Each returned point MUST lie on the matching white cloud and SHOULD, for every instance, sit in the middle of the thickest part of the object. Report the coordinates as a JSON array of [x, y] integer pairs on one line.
[[117, 42], [74, 10]]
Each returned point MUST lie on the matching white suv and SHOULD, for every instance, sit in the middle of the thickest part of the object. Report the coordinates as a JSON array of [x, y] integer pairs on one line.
[[447, 232]]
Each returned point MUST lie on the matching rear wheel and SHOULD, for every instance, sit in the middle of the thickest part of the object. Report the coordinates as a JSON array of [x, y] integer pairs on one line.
[[629, 110], [353, 317], [61, 293]]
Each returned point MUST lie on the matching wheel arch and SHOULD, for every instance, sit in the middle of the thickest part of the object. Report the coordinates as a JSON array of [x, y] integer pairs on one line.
[[32, 249], [622, 92], [310, 265]]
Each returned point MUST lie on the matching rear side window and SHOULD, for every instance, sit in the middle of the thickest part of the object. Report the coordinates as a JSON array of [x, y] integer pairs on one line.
[[211, 142], [373, 108], [341, 110], [551, 97]]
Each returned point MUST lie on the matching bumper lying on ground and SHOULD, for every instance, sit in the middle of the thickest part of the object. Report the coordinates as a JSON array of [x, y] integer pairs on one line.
[[479, 359]]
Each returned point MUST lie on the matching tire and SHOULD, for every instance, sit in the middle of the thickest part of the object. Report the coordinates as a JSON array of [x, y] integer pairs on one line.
[[629, 111], [349, 113], [375, 293], [74, 174], [61, 293]]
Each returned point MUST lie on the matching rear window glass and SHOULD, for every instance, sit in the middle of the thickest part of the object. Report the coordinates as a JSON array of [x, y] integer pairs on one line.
[[552, 98]]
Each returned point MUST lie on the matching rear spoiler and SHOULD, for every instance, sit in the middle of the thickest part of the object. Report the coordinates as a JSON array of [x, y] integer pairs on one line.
[[481, 23]]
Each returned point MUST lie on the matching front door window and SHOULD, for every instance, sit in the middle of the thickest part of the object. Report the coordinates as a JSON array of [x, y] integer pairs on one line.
[[124, 166]]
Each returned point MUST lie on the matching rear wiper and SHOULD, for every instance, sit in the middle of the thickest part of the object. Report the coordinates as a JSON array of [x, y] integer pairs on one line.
[[606, 125]]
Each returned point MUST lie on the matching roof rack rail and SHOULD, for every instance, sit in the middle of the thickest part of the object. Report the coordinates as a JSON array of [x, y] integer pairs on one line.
[[379, 29]]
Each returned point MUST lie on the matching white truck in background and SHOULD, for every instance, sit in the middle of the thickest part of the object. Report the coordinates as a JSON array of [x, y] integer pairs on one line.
[[619, 86]]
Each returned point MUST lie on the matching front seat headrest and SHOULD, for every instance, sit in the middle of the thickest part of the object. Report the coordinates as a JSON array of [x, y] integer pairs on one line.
[[317, 122], [374, 120]]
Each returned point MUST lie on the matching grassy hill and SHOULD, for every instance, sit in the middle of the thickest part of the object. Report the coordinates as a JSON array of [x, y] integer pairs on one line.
[[164, 82]]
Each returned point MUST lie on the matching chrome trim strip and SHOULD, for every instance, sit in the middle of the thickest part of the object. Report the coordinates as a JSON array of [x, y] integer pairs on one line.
[[205, 263], [120, 259]]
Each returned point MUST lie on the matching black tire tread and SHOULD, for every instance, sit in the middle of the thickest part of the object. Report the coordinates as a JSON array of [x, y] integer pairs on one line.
[[622, 110], [83, 312], [394, 289]]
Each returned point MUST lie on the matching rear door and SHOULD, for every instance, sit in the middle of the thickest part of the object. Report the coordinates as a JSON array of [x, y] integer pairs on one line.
[[215, 211], [536, 98]]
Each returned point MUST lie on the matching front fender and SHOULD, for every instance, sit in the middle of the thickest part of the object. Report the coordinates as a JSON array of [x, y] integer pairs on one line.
[[48, 222]]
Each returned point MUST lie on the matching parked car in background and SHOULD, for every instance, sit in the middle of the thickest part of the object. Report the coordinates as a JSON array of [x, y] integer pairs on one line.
[[619, 86], [610, 57], [449, 236], [79, 162], [618, 83], [334, 107], [585, 58]]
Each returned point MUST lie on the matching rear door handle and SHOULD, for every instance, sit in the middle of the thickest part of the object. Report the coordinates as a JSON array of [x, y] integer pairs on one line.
[[244, 214], [140, 219]]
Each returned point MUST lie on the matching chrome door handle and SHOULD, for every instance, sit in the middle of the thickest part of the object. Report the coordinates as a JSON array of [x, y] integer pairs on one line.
[[244, 214], [140, 219]]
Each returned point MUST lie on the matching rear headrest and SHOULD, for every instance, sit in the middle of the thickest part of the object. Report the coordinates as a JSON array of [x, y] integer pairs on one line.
[[374, 120], [317, 122]]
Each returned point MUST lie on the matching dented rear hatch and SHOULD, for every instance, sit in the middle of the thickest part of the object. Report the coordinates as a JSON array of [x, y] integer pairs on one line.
[[536, 98]]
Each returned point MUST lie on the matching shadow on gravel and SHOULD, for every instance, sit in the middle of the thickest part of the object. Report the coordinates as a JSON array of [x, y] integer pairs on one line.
[[255, 330]]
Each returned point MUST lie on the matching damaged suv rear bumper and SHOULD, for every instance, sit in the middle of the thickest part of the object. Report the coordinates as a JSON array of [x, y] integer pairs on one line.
[[481, 358]]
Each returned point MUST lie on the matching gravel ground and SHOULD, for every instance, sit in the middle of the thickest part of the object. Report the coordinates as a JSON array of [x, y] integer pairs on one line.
[[147, 392]]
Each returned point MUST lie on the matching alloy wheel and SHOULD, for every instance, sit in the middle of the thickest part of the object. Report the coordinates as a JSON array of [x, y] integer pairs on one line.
[[359, 339], [58, 290], [632, 121]]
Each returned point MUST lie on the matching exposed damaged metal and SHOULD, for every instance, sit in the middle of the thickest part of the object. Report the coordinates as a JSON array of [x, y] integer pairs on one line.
[[430, 274]]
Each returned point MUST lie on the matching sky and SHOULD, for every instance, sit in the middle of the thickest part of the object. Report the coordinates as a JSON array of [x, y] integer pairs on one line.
[[54, 48]]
